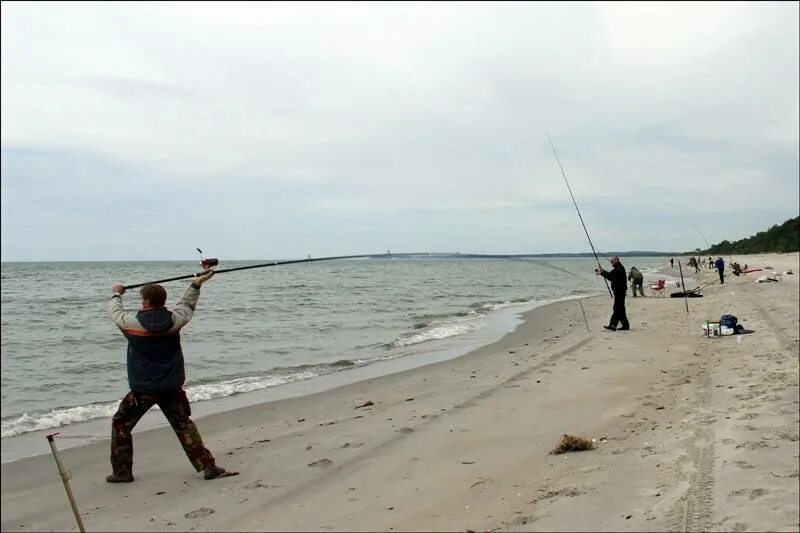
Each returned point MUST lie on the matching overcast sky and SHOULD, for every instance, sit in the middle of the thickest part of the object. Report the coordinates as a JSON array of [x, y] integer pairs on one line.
[[143, 131]]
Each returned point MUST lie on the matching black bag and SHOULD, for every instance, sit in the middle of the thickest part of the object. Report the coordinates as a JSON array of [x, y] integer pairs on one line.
[[687, 294], [728, 321]]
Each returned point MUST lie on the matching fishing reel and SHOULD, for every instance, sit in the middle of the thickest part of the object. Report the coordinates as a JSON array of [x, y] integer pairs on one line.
[[207, 262]]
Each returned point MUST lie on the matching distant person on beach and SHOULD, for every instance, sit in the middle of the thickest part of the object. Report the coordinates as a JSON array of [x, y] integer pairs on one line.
[[619, 286], [156, 376], [637, 280], [672, 262], [720, 264]]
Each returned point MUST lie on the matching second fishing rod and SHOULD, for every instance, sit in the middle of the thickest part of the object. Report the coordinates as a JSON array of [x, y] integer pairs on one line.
[[578, 210]]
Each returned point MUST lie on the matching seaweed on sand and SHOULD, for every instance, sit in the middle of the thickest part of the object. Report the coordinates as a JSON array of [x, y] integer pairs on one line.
[[572, 443]]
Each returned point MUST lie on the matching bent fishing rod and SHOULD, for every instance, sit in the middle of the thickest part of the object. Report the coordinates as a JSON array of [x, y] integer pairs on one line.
[[208, 263], [578, 210]]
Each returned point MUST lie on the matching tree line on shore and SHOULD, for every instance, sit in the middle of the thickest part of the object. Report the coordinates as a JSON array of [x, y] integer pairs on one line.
[[776, 240]]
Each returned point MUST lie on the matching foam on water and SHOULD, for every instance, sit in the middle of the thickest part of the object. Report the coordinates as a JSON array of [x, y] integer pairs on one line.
[[439, 331], [72, 415], [55, 418]]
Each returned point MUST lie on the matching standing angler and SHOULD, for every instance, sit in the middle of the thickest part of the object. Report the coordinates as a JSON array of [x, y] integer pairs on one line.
[[720, 264], [619, 286], [156, 376]]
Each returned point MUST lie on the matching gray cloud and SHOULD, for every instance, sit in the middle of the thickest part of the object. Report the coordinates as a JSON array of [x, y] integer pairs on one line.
[[334, 128]]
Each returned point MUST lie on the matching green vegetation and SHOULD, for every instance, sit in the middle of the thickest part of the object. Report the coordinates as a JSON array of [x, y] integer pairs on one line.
[[777, 239]]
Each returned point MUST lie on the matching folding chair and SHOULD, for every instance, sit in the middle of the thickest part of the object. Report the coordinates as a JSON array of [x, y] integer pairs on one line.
[[658, 290]]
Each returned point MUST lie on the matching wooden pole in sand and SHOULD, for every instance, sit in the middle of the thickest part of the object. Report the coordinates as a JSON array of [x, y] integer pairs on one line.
[[65, 477], [683, 286]]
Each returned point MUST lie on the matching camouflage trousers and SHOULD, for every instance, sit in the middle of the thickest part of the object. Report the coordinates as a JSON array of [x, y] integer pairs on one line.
[[175, 406]]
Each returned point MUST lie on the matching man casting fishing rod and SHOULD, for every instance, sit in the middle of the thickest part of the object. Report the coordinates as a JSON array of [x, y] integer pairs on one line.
[[156, 376], [619, 286]]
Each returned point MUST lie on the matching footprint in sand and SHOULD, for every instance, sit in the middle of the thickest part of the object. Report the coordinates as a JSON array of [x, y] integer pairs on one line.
[[569, 492], [354, 444], [521, 521], [321, 463], [743, 464], [257, 484], [199, 513], [753, 445]]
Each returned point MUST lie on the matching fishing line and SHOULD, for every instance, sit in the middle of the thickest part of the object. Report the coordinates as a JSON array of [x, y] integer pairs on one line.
[[576, 209], [524, 258]]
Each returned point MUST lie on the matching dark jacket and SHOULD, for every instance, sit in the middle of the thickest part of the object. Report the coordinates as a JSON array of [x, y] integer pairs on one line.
[[155, 358], [635, 276], [616, 276], [720, 264]]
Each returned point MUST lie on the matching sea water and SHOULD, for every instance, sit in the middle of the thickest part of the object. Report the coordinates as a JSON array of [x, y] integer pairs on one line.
[[63, 360]]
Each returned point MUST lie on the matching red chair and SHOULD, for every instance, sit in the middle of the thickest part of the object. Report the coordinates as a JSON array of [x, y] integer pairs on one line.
[[658, 290]]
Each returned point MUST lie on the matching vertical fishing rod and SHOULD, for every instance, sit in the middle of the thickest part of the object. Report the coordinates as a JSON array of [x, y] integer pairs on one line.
[[683, 286], [708, 246], [65, 477], [578, 210]]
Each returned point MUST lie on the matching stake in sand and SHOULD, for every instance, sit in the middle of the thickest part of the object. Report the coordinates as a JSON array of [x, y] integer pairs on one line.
[[65, 477]]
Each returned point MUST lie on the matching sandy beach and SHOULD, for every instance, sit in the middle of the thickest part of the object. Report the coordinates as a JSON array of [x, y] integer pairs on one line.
[[692, 434]]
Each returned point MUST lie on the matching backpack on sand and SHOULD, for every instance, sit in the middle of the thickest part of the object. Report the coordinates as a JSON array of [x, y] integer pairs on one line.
[[728, 321]]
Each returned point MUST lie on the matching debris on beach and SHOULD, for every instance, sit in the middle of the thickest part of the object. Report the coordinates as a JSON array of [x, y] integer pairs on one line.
[[572, 443], [368, 403]]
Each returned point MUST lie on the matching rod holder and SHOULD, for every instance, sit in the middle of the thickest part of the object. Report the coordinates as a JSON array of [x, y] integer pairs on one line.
[[65, 477]]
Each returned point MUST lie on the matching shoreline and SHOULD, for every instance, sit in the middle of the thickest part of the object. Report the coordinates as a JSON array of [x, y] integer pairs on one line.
[[503, 322], [73, 416], [692, 433]]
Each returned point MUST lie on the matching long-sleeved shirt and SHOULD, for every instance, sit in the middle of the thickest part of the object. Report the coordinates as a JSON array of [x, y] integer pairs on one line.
[[155, 357], [616, 276]]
